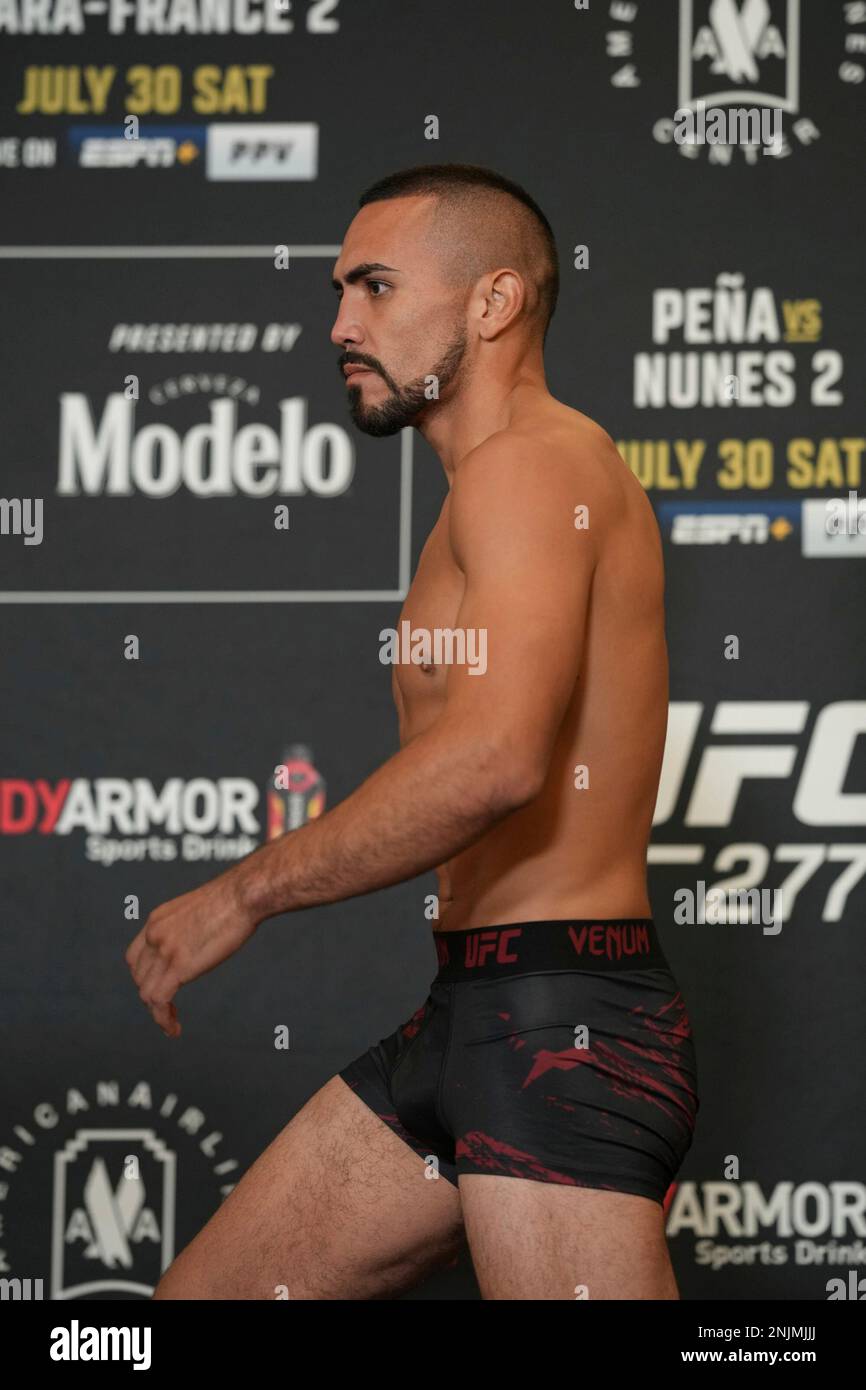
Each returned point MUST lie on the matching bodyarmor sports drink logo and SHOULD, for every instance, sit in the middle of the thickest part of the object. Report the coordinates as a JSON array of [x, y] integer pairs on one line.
[[296, 794], [100, 1179], [734, 55], [110, 457], [812, 1224], [130, 807], [215, 820]]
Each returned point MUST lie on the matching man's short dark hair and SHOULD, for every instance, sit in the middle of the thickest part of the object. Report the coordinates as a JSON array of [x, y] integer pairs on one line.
[[475, 191]]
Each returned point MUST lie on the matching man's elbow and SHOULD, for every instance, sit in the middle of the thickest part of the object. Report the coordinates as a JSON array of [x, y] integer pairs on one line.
[[515, 780]]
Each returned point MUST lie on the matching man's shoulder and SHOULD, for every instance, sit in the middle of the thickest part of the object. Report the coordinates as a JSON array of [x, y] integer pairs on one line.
[[532, 486], [547, 455]]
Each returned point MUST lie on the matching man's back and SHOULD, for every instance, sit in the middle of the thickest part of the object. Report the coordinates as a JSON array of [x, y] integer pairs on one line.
[[578, 848]]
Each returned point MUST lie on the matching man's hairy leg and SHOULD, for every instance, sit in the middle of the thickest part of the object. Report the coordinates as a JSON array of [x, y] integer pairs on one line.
[[337, 1207], [536, 1240]]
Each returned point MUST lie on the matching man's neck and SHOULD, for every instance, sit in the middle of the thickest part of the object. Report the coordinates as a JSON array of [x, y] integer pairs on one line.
[[481, 409]]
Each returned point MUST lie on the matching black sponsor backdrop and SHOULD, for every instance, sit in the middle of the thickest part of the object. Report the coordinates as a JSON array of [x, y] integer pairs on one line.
[[222, 689]]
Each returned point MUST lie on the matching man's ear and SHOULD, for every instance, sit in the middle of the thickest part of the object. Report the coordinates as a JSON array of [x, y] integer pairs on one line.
[[504, 297]]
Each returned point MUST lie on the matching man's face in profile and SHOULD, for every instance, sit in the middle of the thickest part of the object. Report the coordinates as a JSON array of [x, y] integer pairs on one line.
[[399, 324]]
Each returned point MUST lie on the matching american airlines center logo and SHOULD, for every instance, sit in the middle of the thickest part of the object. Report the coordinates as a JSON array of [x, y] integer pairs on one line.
[[740, 48], [743, 55], [104, 1177]]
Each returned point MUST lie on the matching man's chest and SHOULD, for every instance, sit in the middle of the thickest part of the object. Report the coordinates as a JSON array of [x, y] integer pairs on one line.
[[421, 646]]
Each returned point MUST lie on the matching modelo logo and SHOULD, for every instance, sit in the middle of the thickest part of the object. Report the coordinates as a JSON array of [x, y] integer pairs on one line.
[[212, 460], [724, 767]]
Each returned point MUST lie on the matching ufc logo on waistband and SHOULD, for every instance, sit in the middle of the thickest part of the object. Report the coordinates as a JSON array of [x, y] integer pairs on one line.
[[482, 944]]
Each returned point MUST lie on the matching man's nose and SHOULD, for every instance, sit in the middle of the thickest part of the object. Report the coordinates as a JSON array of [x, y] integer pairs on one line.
[[346, 328]]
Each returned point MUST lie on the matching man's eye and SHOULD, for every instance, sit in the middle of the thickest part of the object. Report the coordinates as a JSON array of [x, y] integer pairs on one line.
[[383, 283]]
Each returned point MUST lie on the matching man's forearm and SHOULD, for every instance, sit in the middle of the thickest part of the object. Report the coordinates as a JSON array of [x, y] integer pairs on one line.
[[430, 801]]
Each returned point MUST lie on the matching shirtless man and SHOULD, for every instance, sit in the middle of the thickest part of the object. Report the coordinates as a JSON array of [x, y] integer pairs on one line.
[[540, 1101]]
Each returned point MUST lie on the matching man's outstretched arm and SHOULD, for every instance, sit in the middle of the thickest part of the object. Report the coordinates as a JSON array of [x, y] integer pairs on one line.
[[528, 573]]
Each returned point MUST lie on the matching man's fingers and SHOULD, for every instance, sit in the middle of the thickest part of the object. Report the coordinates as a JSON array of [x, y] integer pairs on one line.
[[166, 1016], [143, 966], [156, 981], [140, 954], [150, 971], [157, 988], [140, 945], [134, 952]]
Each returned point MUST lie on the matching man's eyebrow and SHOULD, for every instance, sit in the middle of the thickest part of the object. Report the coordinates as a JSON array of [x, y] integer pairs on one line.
[[359, 271]]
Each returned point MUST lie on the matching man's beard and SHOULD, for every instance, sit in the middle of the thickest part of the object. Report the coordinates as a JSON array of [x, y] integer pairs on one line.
[[405, 403]]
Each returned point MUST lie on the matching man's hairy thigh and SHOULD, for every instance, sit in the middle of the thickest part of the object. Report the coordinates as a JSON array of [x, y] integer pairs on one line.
[[336, 1207]]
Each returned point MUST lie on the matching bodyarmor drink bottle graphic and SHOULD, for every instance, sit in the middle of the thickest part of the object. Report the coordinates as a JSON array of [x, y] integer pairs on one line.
[[296, 793]]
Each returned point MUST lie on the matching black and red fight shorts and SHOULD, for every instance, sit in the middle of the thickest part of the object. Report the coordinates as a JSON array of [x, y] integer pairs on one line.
[[559, 1051]]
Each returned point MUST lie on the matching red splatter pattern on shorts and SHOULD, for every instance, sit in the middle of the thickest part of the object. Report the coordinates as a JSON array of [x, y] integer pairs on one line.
[[639, 1070]]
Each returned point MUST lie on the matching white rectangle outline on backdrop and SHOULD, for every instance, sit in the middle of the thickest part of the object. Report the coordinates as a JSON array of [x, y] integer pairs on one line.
[[221, 595]]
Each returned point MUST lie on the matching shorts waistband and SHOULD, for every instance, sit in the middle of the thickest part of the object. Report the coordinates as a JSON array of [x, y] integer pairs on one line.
[[597, 944]]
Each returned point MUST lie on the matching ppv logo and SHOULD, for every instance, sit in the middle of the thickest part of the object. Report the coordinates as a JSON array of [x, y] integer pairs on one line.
[[742, 44], [263, 152]]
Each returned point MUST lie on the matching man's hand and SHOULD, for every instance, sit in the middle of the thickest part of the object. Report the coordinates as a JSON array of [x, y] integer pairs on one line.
[[184, 938]]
